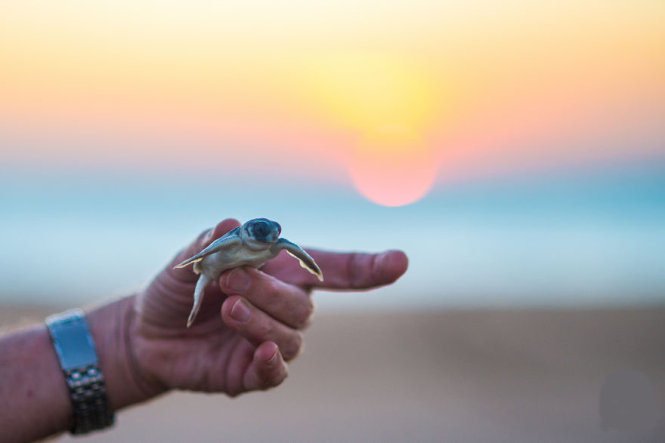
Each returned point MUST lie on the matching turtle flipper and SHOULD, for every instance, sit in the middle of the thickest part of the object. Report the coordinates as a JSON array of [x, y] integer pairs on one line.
[[227, 240], [198, 298], [306, 261]]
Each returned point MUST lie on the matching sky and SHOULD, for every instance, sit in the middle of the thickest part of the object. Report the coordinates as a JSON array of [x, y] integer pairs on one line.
[[515, 150]]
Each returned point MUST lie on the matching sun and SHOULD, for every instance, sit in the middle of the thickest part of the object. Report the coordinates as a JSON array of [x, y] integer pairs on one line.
[[389, 103], [392, 166]]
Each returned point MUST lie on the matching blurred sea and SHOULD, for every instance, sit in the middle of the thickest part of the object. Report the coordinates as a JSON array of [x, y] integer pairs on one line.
[[556, 240]]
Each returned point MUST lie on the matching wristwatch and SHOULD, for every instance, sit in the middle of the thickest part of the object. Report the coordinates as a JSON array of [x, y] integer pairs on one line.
[[75, 348]]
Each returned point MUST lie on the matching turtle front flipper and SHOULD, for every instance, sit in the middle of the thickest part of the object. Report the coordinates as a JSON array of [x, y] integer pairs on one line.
[[227, 240], [306, 261]]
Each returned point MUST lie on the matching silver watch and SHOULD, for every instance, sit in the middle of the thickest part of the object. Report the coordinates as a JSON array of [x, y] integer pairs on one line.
[[75, 348]]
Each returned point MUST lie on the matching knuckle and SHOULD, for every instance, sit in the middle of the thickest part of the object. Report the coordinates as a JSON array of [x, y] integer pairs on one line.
[[264, 329], [268, 383], [271, 287], [272, 380], [280, 378], [293, 346], [309, 307], [307, 323], [263, 287], [304, 316], [354, 269]]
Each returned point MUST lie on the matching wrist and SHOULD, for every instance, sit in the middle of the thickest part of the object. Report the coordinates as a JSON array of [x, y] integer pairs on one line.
[[115, 332]]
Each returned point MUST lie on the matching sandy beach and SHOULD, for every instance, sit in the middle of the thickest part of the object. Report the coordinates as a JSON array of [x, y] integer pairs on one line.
[[479, 375]]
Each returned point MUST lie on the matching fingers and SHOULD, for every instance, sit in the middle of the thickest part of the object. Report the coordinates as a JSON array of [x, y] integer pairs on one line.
[[257, 326], [204, 239], [267, 369], [262, 308], [353, 270], [287, 303]]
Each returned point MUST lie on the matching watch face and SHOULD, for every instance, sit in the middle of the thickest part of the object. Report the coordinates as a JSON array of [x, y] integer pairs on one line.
[[72, 340]]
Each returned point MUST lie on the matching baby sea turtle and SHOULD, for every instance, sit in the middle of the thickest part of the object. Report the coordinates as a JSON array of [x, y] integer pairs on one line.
[[251, 244]]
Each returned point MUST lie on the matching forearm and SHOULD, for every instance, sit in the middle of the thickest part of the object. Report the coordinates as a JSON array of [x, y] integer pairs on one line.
[[36, 401]]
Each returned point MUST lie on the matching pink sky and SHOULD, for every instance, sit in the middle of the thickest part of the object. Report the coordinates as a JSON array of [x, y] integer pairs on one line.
[[491, 87]]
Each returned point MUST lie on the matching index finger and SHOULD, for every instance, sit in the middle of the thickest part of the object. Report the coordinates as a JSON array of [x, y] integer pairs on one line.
[[351, 270]]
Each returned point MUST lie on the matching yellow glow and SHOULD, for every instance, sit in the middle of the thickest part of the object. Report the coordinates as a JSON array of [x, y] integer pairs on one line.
[[365, 91]]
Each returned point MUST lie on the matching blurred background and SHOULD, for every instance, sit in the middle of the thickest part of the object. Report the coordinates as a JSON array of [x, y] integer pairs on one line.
[[515, 150]]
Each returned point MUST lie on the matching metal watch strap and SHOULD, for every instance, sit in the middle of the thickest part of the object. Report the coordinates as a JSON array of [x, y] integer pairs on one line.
[[75, 348]]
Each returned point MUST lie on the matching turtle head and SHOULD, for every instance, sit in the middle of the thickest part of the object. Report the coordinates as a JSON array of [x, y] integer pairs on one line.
[[260, 233]]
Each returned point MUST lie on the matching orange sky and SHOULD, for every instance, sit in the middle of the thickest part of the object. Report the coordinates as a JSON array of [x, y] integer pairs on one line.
[[483, 85]]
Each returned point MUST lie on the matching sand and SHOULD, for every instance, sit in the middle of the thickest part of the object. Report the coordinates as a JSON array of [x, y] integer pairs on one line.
[[489, 376]]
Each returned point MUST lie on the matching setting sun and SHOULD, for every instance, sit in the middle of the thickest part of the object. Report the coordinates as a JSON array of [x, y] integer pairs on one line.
[[389, 104], [392, 166]]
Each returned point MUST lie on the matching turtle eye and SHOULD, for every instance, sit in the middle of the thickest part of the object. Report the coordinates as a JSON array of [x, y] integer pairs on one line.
[[261, 229]]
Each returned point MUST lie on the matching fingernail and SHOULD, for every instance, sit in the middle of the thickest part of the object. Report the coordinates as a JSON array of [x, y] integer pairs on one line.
[[238, 281], [240, 311], [272, 360]]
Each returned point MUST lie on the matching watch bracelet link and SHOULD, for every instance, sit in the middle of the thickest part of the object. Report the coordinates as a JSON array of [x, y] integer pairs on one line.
[[75, 349], [89, 401]]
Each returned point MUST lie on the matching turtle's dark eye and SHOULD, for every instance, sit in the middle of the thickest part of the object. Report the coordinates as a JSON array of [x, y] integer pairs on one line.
[[261, 229]]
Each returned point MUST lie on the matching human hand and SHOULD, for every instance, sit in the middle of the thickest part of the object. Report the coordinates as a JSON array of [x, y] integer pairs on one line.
[[262, 314]]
